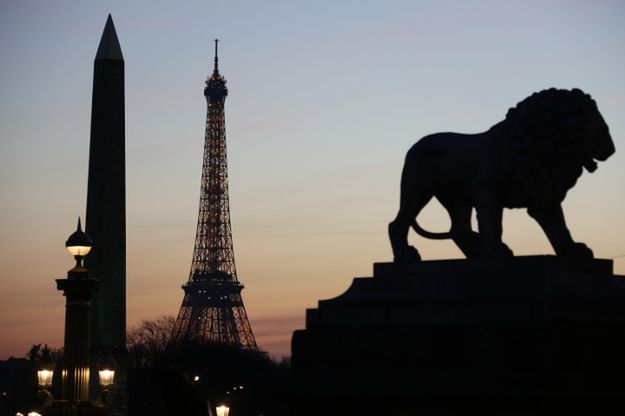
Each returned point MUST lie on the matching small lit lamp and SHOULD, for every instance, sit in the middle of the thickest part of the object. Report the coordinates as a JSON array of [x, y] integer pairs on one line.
[[106, 370], [79, 245], [106, 374], [222, 410], [107, 377], [45, 370], [44, 378]]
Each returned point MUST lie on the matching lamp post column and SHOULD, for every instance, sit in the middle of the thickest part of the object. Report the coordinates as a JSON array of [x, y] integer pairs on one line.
[[77, 288]]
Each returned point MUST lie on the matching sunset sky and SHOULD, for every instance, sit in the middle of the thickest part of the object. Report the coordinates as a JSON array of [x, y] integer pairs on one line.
[[325, 98]]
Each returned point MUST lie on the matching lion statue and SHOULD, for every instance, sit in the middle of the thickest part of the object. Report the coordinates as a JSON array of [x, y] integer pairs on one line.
[[530, 159]]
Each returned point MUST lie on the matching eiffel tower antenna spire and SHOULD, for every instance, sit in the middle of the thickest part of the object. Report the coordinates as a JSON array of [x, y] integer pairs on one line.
[[216, 71]]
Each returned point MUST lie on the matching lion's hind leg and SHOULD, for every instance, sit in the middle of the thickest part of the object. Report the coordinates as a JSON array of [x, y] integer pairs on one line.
[[467, 240], [410, 206]]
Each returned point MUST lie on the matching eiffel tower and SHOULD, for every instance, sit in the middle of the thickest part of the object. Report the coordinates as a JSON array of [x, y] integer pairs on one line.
[[212, 310]]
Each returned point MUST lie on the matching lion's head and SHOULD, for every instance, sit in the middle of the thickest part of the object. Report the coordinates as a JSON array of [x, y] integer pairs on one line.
[[549, 138]]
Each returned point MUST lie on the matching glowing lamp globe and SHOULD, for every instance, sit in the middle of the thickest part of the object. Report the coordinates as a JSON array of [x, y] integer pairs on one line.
[[79, 250], [79, 244]]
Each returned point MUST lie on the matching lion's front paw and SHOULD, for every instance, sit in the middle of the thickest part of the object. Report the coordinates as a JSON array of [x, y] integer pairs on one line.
[[578, 250], [502, 250], [408, 255]]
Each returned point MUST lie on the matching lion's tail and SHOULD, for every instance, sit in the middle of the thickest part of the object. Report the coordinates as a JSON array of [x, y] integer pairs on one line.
[[427, 234]]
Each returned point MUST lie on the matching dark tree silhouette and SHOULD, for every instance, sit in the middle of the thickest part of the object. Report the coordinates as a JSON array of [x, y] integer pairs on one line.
[[199, 375], [148, 339]]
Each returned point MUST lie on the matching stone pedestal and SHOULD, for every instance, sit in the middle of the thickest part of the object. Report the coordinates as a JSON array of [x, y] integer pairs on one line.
[[502, 336]]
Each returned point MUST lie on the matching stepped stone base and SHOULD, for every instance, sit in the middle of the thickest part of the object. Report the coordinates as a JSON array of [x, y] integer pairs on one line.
[[495, 335]]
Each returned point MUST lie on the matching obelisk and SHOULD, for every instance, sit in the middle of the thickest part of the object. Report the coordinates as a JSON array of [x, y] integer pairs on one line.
[[106, 196]]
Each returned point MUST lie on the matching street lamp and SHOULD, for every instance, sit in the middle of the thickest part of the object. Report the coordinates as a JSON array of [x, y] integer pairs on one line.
[[106, 377], [222, 410], [45, 370], [44, 378], [106, 370]]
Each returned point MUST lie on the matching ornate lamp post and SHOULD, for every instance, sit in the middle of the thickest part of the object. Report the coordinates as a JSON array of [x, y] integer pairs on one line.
[[106, 375], [77, 289], [45, 371], [106, 370]]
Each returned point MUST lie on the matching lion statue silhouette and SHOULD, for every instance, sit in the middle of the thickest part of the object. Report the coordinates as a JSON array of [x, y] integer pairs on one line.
[[531, 159]]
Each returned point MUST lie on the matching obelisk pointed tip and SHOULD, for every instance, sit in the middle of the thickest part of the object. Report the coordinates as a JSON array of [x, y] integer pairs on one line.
[[109, 44]]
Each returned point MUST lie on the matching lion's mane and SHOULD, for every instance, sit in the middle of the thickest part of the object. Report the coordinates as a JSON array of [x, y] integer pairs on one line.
[[546, 144]]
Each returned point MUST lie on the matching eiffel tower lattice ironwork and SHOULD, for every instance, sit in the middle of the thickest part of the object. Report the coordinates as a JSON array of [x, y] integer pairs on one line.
[[212, 310]]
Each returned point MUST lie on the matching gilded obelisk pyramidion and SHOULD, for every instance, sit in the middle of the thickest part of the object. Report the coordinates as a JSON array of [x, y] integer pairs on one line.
[[106, 195]]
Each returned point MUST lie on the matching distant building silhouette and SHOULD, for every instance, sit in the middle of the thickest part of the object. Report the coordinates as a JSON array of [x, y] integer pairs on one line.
[[212, 310]]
